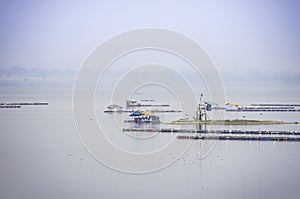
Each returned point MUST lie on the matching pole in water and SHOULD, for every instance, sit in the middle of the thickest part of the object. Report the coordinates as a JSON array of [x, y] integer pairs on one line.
[[199, 112], [201, 95]]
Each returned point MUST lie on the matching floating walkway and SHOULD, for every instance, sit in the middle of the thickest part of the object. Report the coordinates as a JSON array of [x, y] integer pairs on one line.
[[131, 111], [267, 108], [241, 138], [263, 110], [10, 106], [20, 104], [204, 131], [275, 105], [238, 135]]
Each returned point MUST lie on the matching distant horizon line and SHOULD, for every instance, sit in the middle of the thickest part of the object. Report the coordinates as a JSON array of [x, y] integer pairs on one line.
[[229, 76]]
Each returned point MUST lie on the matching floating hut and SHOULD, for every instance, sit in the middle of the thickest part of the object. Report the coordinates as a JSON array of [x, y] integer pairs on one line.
[[143, 117]]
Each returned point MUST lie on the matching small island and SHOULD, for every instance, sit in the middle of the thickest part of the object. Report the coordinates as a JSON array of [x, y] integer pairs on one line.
[[228, 122], [201, 118]]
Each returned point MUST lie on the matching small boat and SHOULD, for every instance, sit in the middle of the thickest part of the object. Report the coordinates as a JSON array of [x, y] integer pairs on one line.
[[113, 108]]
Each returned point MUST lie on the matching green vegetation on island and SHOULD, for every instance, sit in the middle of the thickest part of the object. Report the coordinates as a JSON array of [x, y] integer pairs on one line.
[[229, 122]]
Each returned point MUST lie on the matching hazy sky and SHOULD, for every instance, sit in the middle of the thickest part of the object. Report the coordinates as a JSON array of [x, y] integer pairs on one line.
[[238, 35]]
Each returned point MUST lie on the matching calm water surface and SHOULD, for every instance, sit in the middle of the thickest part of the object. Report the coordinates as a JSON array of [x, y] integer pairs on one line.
[[42, 157]]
